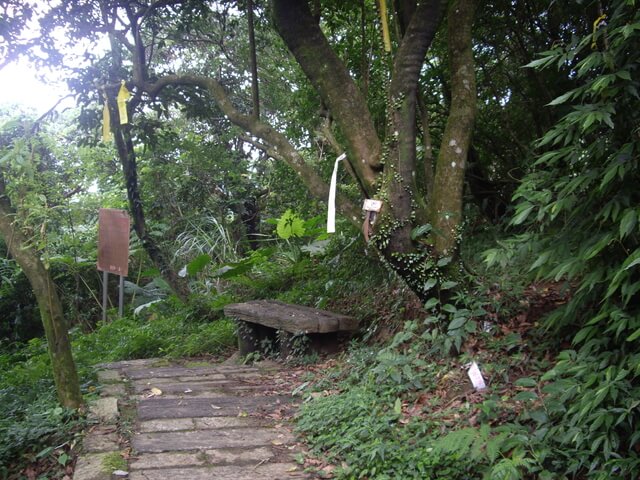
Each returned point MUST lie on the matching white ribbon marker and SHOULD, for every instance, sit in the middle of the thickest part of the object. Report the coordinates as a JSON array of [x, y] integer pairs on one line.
[[331, 212]]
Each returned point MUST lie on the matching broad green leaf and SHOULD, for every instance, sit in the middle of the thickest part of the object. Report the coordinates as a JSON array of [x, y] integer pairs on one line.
[[632, 260], [583, 334], [490, 256], [634, 336], [562, 98], [45, 452], [602, 82], [628, 29], [525, 382], [197, 264], [457, 322], [397, 406], [444, 261], [628, 222], [420, 231], [541, 260], [290, 225], [525, 396], [430, 283], [523, 212], [539, 416], [597, 247], [540, 62], [601, 394], [609, 175], [589, 62], [447, 307], [432, 302], [624, 74]]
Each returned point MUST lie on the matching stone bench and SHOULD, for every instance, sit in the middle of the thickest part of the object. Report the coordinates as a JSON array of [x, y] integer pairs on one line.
[[270, 322]]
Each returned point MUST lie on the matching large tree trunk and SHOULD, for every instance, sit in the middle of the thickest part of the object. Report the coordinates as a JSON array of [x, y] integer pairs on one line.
[[446, 200], [55, 325], [406, 205], [388, 173]]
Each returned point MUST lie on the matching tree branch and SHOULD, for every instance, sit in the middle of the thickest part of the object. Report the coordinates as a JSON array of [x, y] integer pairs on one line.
[[278, 143], [331, 79]]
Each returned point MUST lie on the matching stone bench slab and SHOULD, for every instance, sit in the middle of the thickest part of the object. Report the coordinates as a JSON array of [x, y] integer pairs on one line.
[[290, 318]]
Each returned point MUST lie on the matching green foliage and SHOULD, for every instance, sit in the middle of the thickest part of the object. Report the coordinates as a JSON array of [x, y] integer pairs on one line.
[[450, 324], [27, 432], [290, 225], [580, 206], [77, 281], [371, 422], [360, 428], [21, 317], [204, 236], [172, 336], [31, 418]]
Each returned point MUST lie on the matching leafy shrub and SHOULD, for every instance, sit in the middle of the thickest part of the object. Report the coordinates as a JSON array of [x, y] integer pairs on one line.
[[360, 425], [581, 201], [20, 314], [26, 431], [77, 284]]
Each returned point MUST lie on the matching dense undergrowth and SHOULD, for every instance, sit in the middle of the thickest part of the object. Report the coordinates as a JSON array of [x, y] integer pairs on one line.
[[406, 409]]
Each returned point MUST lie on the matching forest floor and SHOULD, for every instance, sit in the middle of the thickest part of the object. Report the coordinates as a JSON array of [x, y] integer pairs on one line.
[[165, 419], [203, 418]]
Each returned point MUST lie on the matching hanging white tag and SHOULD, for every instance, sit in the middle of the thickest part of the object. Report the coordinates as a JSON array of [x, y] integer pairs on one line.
[[371, 205], [476, 377], [331, 211]]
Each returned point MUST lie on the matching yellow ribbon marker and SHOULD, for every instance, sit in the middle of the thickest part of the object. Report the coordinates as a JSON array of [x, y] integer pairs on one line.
[[385, 26], [596, 24], [106, 123], [123, 98]]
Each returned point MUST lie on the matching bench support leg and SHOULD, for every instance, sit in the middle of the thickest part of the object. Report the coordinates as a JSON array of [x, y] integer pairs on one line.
[[285, 340], [248, 339]]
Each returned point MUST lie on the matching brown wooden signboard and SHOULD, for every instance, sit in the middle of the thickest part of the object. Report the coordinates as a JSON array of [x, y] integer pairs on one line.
[[113, 241]]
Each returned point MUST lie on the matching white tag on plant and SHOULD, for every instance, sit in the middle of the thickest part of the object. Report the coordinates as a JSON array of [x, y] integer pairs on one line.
[[476, 377]]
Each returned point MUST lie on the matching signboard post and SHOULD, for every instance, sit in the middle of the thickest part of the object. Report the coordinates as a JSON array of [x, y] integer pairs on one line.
[[113, 251]]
